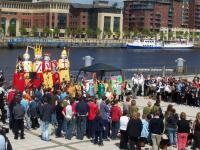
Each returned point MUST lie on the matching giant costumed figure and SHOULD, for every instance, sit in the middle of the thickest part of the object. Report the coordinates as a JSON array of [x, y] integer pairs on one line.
[[47, 72], [28, 66], [37, 67], [64, 66], [18, 77]]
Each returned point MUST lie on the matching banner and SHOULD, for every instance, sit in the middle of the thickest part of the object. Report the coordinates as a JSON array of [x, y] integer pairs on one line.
[[117, 84]]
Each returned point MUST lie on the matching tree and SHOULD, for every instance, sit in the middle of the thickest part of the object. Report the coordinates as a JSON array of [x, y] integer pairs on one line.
[[79, 32], [98, 32], [127, 32], [117, 33], [68, 31], [170, 35], [108, 33], [186, 35], [179, 34], [12, 30], [23, 31], [34, 31], [90, 32], [56, 32], [46, 31], [162, 35]]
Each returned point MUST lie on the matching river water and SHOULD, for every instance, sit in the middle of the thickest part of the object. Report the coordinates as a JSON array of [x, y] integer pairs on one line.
[[119, 57]]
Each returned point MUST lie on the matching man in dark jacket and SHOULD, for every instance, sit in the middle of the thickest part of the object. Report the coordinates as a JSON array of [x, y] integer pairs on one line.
[[18, 113], [46, 112], [156, 128], [82, 110], [134, 129]]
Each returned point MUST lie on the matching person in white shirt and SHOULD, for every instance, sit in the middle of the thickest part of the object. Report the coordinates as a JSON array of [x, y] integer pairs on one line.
[[67, 124], [135, 85], [124, 119]]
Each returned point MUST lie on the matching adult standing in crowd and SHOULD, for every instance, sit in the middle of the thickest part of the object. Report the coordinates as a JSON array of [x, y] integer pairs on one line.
[[134, 130], [19, 114], [82, 110], [156, 128], [124, 119], [115, 117], [197, 132], [171, 127], [46, 111], [105, 112], [182, 131]]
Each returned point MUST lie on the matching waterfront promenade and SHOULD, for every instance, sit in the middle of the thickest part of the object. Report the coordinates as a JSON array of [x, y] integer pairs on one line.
[[32, 140]]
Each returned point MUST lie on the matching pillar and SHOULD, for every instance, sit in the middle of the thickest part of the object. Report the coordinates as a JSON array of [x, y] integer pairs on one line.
[[17, 27], [112, 25], [6, 27]]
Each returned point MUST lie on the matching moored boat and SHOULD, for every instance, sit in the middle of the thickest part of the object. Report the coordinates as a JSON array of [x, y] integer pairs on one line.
[[155, 44]]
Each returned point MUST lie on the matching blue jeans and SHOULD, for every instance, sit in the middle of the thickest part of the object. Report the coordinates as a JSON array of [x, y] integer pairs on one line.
[[81, 126], [90, 130], [115, 129], [45, 132], [68, 128], [59, 128], [106, 128], [172, 136], [53, 119]]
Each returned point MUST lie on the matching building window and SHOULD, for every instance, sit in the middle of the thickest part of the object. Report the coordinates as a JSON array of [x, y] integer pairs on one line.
[[83, 23], [107, 21], [83, 16], [116, 24], [62, 21]]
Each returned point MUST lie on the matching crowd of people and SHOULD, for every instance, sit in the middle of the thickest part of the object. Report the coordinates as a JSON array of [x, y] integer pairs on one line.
[[71, 111], [169, 89]]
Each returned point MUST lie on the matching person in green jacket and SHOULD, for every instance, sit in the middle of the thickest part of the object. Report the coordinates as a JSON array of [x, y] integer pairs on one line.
[[147, 109], [101, 90], [133, 108]]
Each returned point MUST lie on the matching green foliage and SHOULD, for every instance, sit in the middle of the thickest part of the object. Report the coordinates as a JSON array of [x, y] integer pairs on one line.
[[117, 33], [12, 30], [46, 31], [34, 31], [98, 32], [90, 32], [162, 36], [170, 35], [127, 32], [56, 32], [23, 31], [68, 31]]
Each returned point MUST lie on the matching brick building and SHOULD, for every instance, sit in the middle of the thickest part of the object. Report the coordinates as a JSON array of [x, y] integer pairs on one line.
[[99, 15], [155, 14], [39, 14]]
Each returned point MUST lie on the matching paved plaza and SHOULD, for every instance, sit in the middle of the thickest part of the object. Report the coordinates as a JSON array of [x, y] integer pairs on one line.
[[32, 140]]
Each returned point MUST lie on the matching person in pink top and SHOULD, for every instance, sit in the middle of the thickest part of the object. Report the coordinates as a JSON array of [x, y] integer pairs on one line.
[[93, 108]]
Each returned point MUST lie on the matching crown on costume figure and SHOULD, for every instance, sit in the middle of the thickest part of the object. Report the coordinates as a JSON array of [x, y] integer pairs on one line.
[[64, 53], [47, 56], [26, 55], [38, 52]]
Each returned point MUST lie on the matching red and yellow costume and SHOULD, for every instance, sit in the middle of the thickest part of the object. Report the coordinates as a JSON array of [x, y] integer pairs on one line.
[[64, 66]]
